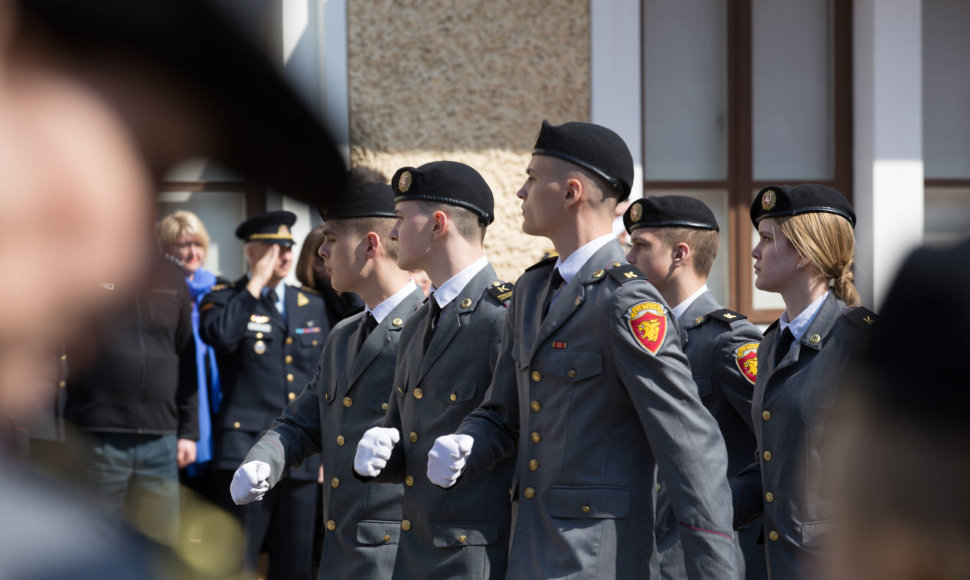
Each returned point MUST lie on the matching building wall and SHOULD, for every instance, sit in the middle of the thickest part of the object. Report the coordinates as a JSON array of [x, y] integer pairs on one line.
[[467, 81]]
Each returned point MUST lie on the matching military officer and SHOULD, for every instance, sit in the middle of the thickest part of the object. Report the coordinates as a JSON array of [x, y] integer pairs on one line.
[[349, 393], [442, 372], [805, 253], [594, 390], [268, 336], [674, 241]]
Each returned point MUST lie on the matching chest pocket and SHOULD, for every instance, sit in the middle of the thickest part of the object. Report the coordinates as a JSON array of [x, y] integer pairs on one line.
[[309, 337], [330, 391], [376, 400], [456, 391], [589, 502], [574, 366]]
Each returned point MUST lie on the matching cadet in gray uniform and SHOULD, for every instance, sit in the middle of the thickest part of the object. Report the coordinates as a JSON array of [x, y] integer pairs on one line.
[[444, 367], [594, 390], [805, 253], [674, 243], [349, 392]]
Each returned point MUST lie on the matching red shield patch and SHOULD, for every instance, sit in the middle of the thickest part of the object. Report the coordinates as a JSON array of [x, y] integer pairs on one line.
[[648, 323], [746, 357]]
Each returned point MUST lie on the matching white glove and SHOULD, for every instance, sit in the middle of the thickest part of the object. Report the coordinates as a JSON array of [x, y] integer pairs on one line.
[[446, 460], [374, 449], [249, 482]]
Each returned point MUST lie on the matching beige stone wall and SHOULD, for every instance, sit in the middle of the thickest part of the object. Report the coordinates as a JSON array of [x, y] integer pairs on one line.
[[469, 81]]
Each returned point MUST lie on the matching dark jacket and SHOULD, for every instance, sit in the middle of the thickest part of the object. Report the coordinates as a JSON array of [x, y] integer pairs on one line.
[[143, 376]]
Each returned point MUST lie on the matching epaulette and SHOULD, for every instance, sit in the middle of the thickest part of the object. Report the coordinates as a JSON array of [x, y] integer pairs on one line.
[[218, 287], [770, 327], [624, 273], [543, 262], [501, 291], [728, 316], [861, 316], [306, 288]]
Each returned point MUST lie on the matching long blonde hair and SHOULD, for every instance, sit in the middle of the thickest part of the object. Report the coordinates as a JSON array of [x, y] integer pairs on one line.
[[828, 242]]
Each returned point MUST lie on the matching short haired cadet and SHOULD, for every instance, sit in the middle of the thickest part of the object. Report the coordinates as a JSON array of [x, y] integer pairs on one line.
[[347, 396], [593, 390], [677, 233], [445, 364]]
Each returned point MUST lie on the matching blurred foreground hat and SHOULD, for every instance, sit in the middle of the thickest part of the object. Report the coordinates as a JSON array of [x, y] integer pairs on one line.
[[592, 147], [256, 123], [669, 211], [362, 200], [446, 182], [272, 227], [789, 200]]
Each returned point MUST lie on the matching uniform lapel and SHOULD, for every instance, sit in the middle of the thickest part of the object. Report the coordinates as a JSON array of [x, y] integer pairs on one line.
[[696, 312], [380, 336], [816, 334]]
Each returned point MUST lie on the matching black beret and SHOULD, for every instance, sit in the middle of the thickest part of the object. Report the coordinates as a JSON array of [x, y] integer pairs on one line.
[[669, 211], [271, 227], [446, 182], [789, 200], [592, 147], [361, 200], [256, 124]]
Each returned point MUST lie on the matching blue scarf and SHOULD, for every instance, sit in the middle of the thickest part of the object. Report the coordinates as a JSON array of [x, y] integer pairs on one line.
[[210, 395]]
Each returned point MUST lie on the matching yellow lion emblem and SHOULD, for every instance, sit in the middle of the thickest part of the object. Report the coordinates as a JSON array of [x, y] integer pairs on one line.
[[650, 329]]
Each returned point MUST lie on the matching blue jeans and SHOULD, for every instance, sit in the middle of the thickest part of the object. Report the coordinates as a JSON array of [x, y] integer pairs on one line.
[[137, 475]]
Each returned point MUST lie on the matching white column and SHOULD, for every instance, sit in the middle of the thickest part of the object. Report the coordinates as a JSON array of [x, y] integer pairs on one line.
[[888, 133], [615, 72]]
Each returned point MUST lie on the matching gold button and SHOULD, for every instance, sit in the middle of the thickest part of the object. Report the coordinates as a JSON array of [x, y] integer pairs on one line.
[[341, 440], [259, 335], [413, 437], [466, 302], [617, 264], [536, 406], [766, 415], [767, 455], [773, 536], [535, 437], [578, 301], [529, 493], [598, 274], [62, 384], [315, 343], [331, 525], [536, 376], [586, 509], [236, 425], [326, 396], [383, 406], [63, 357], [292, 396], [533, 464], [289, 377], [699, 320], [289, 358], [769, 497], [406, 525], [348, 401], [814, 339], [397, 322], [409, 480], [571, 374], [387, 538], [462, 539], [418, 393], [289, 340], [453, 397], [335, 482]]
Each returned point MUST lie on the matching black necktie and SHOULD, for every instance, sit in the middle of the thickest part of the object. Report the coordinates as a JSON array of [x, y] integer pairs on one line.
[[433, 315], [784, 344], [368, 324], [555, 283]]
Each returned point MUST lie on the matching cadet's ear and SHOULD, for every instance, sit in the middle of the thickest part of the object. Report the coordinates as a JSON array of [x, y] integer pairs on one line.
[[440, 224], [574, 191], [680, 254], [373, 244]]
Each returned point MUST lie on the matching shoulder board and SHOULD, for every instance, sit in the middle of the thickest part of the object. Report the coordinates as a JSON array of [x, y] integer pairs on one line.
[[624, 273], [861, 316], [728, 316], [218, 287], [309, 290], [501, 291], [771, 327], [544, 262]]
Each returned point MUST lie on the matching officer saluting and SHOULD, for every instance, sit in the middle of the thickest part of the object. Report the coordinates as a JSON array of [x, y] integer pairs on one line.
[[593, 389], [268, 336], [674, 242]]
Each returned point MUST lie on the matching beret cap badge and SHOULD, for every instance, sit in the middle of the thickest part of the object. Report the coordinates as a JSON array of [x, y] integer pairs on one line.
[[636, 212], [404, 182], [768, 200]]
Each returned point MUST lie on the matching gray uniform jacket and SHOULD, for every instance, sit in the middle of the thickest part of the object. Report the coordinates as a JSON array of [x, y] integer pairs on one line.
[[722, 349], [347, 397], [595, 397], [463, 531], [791, 401]]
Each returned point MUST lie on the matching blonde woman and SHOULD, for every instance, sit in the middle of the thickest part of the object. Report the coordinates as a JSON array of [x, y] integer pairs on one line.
[[805, 253], [182, 236]]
